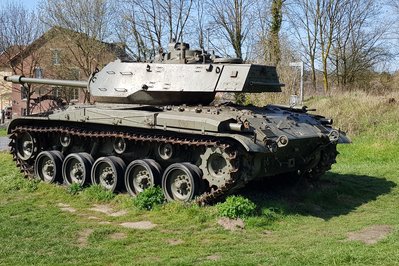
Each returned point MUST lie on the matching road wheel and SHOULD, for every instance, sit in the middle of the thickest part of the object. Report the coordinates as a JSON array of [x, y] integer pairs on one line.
[[180, 182], [48, 166], [76, 168], [108, 172]]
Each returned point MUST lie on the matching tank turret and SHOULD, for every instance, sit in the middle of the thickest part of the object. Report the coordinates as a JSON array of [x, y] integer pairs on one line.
[[182, 76]]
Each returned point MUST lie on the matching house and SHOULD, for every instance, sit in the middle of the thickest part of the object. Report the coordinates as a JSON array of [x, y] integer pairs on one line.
[[57, 54], [5, 87]]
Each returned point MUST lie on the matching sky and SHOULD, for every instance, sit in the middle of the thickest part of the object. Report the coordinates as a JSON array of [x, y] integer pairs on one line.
[[31, 4]]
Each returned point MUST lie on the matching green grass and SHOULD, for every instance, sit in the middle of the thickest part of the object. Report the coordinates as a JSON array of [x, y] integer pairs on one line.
[[3, 132], [296, 224]]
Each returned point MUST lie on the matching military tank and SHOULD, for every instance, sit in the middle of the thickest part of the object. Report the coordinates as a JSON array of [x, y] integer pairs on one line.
[[153, 124]]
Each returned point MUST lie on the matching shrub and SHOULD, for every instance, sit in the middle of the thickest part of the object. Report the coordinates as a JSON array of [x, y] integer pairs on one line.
[[236, 207], [149, 198], [31, 185], [74, 188], [98, 193], [271, 214]]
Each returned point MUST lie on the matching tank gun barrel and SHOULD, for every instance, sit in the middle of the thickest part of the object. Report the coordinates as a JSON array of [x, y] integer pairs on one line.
[[53, 82]]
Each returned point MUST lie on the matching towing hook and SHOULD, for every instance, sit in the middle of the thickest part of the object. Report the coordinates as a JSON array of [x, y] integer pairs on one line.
[[282, 141], [333, 135]]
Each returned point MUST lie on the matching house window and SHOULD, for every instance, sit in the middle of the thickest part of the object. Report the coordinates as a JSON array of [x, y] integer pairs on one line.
[[41, 91], [57, 92], [23, 111], [24, 93], [75, 73], [56, 59], [74, 94], [38, 72]]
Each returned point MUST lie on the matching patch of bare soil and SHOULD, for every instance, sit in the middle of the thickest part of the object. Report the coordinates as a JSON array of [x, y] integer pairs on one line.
[[231, 224], [117, 236], [84, 237], [371, 234], [267, 232], [213, 257], [93, 218], [66, 208], [107, 210], [174, 242], [144, 225]]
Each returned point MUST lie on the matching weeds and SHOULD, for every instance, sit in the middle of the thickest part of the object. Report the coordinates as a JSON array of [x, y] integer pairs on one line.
[[236, 207], [74, 189], [98, 193], [149, 198], [16, 182], [3, 132]]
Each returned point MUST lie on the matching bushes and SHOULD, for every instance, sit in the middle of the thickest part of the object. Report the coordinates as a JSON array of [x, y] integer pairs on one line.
[[236, 207], [98, 193], [74, 188], [149, 198]]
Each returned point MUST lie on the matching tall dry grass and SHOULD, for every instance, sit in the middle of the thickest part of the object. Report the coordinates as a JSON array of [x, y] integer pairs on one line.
[[357, 112], [354, 112]]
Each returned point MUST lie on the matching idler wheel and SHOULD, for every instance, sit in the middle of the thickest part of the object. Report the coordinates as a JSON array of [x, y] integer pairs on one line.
[[48, 166], [180, 182], [26, 146], [142, 174], [76, 168], [108, 172]]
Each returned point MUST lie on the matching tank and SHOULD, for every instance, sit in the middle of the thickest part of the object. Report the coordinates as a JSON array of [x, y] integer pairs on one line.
[[154, 124]]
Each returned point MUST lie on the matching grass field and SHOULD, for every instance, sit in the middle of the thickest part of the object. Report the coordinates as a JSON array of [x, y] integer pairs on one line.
[[3, 132], [350, 217]]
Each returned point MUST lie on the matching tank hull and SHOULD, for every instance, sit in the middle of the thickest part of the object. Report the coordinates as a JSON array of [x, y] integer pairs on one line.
[[227, 146]]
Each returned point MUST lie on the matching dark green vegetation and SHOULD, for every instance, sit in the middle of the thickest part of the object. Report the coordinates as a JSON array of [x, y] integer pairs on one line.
[[236, 207], [149, 198], [295, 223]]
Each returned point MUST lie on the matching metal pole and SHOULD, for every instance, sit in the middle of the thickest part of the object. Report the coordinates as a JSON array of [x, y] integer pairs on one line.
[[302, 96], [301, 92], [207, 39]]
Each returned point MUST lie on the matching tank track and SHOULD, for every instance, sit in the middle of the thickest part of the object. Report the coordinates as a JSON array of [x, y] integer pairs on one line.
[[327, 159], [212, 195]]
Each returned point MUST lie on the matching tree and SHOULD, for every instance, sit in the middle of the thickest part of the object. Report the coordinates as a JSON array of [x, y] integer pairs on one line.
[[330, 14], [233, 21], [146, 25], [19, 27], [305, 21], [358, 45], [275, 27], [141, 26]]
